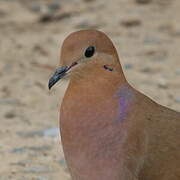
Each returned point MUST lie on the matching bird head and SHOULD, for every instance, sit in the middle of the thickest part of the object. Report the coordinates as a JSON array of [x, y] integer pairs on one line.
[[85, 53]]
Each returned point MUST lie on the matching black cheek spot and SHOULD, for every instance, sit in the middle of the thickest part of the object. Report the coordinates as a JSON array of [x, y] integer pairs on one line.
[[108, 68]]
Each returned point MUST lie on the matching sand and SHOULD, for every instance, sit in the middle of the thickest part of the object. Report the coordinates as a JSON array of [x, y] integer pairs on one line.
[[146, 34]]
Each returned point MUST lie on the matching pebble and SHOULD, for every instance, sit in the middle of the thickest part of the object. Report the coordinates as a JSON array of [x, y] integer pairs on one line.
[[41, 50], [1, 149], [19, 163], [151, 40], [87, 25], [162, 83], [2, 13], [160, 55], [40, 148], [54, 6], [30, 134], [37, 169], [6, 90], [178, 72], [8, 68], [10, 115], [18, 150], [51, 132], [30, 149], [50, 7], [42, 178], [131, 23], [49, 17], [36, 7], [89, 1], [45, 18], [128, 66], [143, 1], [62, 162], [9, 101], [146, 70], [177, 99]]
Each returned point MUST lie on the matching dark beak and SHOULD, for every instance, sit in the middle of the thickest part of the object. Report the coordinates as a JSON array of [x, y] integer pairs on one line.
[[59, 74]]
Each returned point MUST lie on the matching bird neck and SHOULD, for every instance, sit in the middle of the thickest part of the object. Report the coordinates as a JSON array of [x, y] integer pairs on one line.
[[88, 85], [98, 78]]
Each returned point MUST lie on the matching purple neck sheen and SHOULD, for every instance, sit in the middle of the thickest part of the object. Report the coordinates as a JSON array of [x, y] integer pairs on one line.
[[125, 95]]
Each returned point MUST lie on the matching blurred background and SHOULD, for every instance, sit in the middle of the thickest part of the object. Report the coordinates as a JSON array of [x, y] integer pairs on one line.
[[146, 34]]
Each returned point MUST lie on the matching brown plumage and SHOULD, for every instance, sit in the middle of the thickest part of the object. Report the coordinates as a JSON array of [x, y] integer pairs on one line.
[[109, 130]]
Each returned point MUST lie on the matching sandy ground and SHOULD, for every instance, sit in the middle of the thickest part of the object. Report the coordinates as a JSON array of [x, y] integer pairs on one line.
[[146, 34]]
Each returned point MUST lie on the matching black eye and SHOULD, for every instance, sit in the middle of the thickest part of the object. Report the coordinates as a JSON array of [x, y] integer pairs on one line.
[[89, 51]]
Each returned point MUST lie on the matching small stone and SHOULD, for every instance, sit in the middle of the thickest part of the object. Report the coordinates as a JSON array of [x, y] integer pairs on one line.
[[42, 178], [1, 149], [151, 40], [177, 99], [87, 25], [18, 150], [40, 85], [128, 66], [30, 134], [35, 7], [178, 72], [159, 55], [146, 70], [6, 90], [45, 18], [131, 22], [41, 50], [54, 6], [89, 1], [62, 16], [51, 132], [7, 68], [50, 17], [143, 1], [37, 169], [9, 101], [39, 148], [2, 13], [62, 162], [10, 115], [162, 83], [19, 163]]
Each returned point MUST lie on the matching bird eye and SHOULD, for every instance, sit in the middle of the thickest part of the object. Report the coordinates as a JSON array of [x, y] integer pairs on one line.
[[90, 51]]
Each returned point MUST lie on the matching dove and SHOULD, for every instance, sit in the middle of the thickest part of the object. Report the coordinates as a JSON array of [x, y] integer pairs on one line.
[[109, 130]]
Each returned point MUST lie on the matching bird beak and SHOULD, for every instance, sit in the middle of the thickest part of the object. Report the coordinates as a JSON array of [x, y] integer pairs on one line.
[[59, 74]]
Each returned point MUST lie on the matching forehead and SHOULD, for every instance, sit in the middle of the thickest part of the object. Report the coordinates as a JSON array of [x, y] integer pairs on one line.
[[83, 39], [80, 39]]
